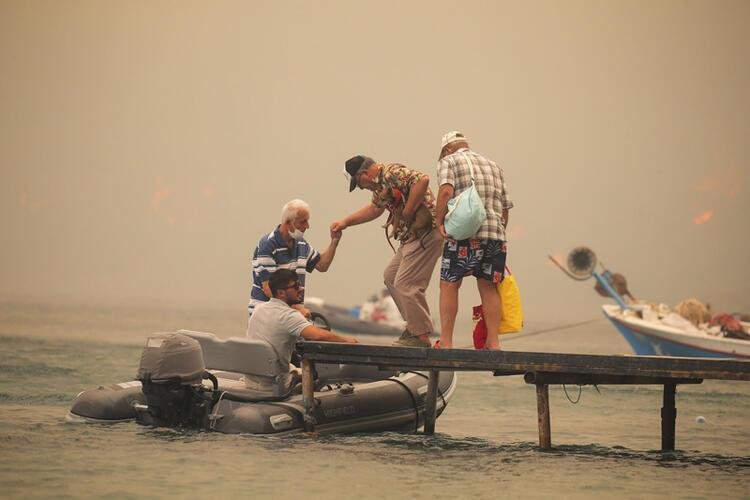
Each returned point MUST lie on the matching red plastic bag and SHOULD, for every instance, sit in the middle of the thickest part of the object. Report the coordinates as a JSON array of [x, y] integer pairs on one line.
[[480, 329]]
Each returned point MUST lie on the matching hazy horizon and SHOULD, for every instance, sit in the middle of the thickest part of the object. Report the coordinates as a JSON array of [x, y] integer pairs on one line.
[[146, 146]]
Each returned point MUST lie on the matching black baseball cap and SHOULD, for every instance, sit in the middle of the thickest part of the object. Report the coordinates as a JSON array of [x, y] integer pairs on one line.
[[354, 165]]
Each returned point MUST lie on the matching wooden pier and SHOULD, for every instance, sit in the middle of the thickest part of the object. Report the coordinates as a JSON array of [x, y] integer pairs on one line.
[[538, 368]]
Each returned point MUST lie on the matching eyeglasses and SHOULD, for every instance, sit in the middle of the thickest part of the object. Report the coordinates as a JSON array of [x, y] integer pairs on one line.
[[296, 286]]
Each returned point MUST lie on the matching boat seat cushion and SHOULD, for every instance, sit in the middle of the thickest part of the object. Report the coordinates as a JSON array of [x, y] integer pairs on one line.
[[237, 354]]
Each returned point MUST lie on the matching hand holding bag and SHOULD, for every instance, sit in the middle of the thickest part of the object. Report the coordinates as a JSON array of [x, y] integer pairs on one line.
[[466, 211]]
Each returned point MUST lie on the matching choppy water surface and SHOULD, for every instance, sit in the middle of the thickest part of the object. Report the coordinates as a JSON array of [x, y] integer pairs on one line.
[[485, 446]]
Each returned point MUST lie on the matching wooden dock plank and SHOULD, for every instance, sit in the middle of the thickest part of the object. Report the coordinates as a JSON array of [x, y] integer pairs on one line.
[[538, 368], [521, 362]]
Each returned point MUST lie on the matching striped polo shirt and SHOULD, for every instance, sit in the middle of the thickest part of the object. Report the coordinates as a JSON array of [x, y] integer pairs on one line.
[[272, 254]]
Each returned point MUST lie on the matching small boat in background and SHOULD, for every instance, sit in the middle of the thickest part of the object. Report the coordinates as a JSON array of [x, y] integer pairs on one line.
[[356, 320], [657, 330], [650, 337]]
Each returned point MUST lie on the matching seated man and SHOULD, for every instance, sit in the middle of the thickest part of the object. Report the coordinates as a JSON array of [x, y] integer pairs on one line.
[[278, 324]]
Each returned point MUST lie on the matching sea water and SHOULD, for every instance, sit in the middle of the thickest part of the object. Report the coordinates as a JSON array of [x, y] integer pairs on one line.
[[485, 446]]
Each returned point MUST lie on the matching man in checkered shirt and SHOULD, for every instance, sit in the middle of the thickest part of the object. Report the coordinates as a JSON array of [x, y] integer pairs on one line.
[[481, 256]]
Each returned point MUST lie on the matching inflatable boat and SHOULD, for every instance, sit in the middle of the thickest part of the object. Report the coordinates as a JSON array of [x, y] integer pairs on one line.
[[196, 380]]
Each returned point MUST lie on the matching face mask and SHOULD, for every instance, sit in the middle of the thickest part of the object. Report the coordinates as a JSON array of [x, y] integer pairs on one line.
[[296, 234]]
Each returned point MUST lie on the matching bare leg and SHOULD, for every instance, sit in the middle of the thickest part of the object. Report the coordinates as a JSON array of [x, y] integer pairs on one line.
[[492, 311], [448, 311]]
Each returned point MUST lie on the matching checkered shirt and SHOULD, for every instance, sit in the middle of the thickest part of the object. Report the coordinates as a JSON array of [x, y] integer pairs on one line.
[[490, 182]]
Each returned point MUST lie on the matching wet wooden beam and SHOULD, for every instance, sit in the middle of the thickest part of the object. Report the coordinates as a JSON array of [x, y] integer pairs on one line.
[[430, 410], [308, 393], [668, 417], [543, 419]]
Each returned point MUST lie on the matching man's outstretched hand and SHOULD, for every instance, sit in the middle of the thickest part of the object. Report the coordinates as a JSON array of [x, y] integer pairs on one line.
[[337, 227]]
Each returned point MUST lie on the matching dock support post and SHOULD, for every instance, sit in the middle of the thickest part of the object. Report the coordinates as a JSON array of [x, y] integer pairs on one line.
[[668, 418], [542, 408], [308, 396], [430, 409]]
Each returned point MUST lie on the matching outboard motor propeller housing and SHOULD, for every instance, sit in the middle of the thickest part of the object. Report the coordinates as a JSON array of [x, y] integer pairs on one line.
[[171, 373]]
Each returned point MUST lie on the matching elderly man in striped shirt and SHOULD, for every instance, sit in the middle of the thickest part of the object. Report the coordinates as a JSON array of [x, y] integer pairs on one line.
[[286, 248], [481, 256]]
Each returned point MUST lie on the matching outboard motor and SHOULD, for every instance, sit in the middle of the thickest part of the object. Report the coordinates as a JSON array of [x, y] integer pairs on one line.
[[171, 373]]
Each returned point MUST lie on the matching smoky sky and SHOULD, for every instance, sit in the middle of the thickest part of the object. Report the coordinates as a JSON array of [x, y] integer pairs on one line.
[[146, 146]]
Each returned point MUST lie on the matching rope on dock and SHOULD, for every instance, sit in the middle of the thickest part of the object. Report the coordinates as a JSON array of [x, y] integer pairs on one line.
[[580, 390]]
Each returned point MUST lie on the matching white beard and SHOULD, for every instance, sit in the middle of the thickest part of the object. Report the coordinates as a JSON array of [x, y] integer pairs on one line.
[[296, 234]]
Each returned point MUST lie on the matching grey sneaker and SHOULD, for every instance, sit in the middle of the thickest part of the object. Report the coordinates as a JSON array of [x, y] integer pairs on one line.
[[411, 341]]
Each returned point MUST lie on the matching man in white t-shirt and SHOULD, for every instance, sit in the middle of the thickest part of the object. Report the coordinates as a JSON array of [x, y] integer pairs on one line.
[[277, 323]]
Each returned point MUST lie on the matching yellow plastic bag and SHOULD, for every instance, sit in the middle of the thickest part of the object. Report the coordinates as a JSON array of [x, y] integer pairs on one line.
[[510, 298], [512, 317]]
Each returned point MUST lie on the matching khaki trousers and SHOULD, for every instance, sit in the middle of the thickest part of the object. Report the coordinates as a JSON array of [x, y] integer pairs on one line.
[[407, 275]]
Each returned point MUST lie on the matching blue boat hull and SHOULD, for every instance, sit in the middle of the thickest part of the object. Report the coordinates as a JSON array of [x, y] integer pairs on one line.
[[648, 345]]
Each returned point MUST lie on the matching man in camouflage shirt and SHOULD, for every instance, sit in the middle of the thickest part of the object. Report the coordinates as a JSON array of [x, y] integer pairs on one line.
[[405, 193]]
